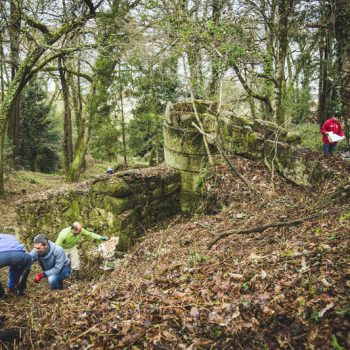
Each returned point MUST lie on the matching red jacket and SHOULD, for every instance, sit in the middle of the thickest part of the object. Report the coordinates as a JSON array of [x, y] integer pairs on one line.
[[331, 125]]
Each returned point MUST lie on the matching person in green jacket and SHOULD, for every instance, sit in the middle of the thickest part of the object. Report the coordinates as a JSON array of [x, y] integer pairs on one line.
[[69, 237]]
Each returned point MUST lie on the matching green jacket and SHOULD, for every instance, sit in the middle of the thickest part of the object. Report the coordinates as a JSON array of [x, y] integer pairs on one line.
[[67, 239]]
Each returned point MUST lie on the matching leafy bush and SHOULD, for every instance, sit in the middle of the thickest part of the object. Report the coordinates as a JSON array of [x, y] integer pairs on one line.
[[310, 135]]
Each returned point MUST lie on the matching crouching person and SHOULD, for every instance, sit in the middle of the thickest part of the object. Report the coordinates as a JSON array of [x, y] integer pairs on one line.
[[53, 261], [14, 255]]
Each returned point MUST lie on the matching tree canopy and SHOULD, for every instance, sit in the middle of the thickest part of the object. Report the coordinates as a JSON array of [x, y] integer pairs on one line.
[[105, 63]]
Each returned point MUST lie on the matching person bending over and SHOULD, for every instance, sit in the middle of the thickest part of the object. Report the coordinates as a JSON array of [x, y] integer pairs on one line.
[[13, 254], [68, 239]]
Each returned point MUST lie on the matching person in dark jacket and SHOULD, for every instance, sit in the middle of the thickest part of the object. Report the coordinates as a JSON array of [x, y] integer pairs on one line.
[[14, 255], [53, 261]]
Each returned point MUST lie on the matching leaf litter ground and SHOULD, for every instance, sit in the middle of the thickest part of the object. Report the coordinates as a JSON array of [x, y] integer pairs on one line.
[[284, 288]]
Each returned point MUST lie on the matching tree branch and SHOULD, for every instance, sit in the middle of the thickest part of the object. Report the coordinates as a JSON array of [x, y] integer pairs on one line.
[[37, 25], [224, 156], [90, 6], [76, 73], [262, 228], [45, 62], [267, 77], [249, 90]]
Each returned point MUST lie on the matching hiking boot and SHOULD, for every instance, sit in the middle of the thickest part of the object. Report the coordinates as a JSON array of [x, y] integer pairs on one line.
[[76, 275], [22, 282]]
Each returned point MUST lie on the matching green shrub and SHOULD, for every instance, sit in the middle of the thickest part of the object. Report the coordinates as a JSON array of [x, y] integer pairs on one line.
[[310, 135]]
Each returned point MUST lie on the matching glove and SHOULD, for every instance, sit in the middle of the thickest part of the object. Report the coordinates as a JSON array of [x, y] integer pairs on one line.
[[38, 277], [103, 238]]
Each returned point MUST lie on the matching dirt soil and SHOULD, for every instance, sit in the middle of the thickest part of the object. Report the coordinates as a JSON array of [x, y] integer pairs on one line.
[[285, 287]]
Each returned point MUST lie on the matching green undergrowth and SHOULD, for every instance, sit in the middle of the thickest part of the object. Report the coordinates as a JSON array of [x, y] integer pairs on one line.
[[25, 181], [311, 137]]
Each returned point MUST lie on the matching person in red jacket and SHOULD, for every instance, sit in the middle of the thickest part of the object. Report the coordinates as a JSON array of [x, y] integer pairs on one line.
[[331, 125]]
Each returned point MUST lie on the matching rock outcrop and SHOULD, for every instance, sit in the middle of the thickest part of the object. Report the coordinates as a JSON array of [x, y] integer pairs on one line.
[[121, 204]]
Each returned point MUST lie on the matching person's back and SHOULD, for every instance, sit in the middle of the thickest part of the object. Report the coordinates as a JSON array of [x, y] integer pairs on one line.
[[9, 243], [14, 255]]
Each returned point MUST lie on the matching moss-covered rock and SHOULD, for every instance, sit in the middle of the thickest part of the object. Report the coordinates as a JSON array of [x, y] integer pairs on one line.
[[183, 141], [193, 181], [191, 202], [121, 204], [292, 137], [202, 106], [184, 147], [114, 186], [296, 164], [185, 162]]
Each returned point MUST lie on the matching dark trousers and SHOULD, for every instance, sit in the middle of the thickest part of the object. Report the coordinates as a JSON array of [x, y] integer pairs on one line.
[[328, 148], [19, 262]]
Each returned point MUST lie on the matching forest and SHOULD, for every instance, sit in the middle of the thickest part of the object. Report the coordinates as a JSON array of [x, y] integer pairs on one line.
[[85, 86]]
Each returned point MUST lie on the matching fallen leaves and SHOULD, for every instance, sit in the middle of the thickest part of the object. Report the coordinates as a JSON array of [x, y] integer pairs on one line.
[[285, 288]]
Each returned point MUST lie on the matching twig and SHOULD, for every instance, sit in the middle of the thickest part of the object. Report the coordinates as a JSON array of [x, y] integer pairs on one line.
[[3, 345], [82, 334], [262, 228], [210, 158], [275, 142]]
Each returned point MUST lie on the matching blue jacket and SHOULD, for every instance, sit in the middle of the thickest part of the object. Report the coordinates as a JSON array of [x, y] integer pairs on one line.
[[9, 243], [55, 260]]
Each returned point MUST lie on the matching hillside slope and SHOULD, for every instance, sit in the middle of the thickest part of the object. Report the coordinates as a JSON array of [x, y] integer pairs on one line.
[[282, 288]]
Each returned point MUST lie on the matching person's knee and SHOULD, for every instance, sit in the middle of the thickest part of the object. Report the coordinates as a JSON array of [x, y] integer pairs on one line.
[[53, 282]]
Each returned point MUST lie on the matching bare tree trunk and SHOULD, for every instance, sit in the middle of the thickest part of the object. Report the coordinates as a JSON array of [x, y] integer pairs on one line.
[[217, 6], [77, 164], [262, 98], [342, 32], [79, 157], [2, 63], [15, 87], [123, 117], [67, 126], [322, 85], [284, 7], [325, 49], [195, 68], [77, 101], [26, 71], [14, 33]]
